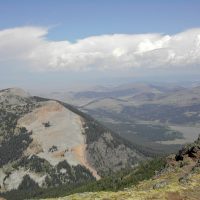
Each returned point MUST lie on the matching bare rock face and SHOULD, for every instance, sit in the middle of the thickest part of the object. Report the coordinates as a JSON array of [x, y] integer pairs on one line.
[[107, 155], [48, 143], [64, 132]]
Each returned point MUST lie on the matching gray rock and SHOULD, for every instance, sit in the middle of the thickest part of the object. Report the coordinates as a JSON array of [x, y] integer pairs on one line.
[[161, 184], [185, 179]]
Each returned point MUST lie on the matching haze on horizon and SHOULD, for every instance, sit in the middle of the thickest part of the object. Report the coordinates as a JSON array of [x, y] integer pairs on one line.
[[58, 45]]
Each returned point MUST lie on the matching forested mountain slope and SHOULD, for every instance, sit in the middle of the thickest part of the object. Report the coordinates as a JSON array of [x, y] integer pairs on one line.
[[178, 180], [46, 143]]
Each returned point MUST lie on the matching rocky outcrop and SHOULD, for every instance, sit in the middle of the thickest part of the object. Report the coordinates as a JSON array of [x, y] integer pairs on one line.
[[191, 151]]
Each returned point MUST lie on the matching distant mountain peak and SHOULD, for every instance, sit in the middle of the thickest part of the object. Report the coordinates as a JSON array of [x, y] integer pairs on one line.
[[15, 91]]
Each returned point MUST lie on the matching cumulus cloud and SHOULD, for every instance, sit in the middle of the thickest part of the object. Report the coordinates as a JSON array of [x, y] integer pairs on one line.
[[30, 46]]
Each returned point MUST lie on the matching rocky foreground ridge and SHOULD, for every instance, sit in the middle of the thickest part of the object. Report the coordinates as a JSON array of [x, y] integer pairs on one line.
[[179, 180]]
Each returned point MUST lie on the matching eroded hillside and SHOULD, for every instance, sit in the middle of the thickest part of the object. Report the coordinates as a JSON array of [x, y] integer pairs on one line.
[[46, 143]]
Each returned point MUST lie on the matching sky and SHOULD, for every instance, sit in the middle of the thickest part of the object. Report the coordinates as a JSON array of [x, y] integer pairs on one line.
[[56, 44]]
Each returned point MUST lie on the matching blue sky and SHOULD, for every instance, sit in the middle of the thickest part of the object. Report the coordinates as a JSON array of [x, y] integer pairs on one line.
[[75, 19], [72, 20]]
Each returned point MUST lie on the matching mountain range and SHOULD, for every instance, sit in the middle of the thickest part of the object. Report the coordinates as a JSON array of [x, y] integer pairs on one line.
[[160, 117]]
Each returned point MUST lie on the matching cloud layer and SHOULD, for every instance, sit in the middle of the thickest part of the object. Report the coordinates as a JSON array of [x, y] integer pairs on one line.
[[29, 46]]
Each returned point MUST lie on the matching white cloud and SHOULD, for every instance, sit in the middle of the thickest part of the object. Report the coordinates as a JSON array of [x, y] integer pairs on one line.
[[29, 45]]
